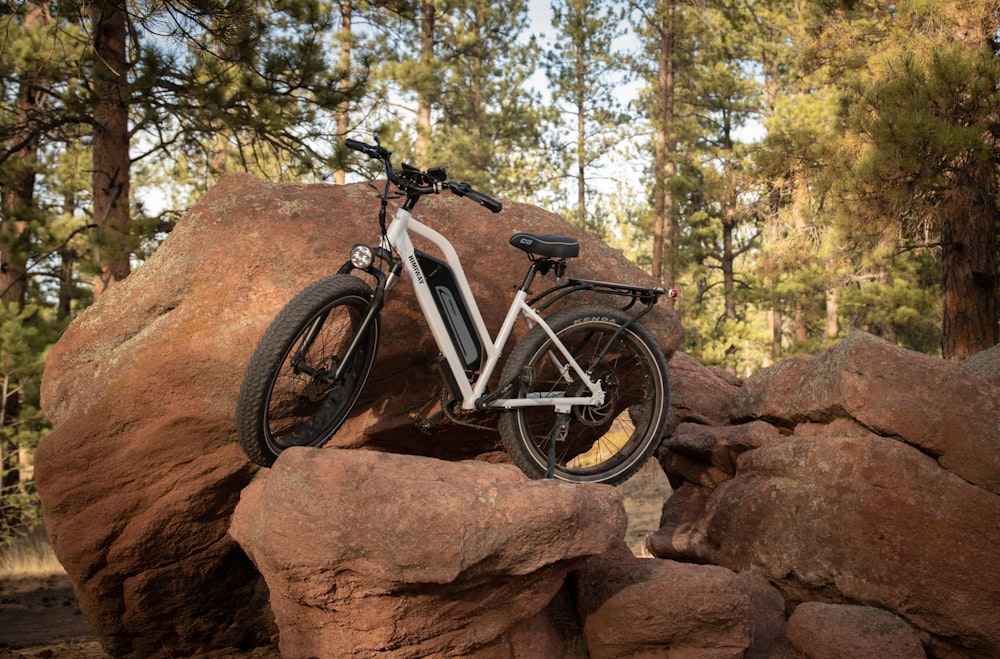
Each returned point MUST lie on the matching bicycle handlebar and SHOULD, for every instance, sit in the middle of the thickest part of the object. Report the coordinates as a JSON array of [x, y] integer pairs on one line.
[[408, 183]]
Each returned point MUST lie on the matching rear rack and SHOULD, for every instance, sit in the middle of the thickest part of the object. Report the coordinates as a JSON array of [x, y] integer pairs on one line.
[[644, 294]]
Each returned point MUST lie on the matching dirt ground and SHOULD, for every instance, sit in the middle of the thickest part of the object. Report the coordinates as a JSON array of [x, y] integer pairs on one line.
[[40, 618]]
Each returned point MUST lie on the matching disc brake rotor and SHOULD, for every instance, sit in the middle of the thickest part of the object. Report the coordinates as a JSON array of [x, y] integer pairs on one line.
[[595, 415]]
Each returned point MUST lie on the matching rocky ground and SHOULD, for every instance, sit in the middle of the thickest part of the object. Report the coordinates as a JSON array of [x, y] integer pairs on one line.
[[41, 619]]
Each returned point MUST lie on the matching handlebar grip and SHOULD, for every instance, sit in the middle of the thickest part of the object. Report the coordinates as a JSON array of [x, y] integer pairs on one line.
[[372, 151], [485, 201], [351, 143]]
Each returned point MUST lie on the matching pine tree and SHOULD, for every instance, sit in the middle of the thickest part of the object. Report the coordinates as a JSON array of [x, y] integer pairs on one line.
[[345, 67], [110, 141], [657, 25], [25, 74], [223, 85], [919, 86], [583, 69], [473, 111], [705, 197], [24, 334], [773, 32], [489, 117]]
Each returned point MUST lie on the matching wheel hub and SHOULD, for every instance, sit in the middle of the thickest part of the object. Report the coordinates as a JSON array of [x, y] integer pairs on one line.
[[596, 415]]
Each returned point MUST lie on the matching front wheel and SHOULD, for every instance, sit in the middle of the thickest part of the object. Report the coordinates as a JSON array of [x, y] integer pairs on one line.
[[289, 395], [604, 443]]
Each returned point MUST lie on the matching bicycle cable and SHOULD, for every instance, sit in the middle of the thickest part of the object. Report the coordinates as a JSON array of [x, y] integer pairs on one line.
[[384, 196]]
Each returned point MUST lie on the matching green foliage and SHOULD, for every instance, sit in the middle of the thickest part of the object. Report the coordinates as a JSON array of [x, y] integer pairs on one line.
[[917, 162], [583, 67], [901, 302], [487, 119], [926, 110], [738, 345], [25, 335]]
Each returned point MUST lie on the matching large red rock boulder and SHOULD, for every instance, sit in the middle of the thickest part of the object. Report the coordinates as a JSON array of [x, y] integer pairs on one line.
[[141, 474], [872, 482], [640, 607], [893, 392], [862, 520], [985, 364], [371, 553], [698, 395]]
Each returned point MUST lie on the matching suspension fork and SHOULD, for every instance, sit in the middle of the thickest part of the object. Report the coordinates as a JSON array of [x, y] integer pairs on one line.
[[383, 284], [378, 301], [303, 350]]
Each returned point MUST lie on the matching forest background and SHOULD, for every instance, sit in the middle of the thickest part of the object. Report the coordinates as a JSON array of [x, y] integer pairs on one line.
[[798, 168]]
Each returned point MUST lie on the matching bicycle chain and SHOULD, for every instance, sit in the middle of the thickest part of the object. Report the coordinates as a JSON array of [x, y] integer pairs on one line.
[[447, 405]]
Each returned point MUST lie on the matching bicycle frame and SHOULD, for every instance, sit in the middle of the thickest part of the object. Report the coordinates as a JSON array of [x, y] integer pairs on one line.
[[472, 390]]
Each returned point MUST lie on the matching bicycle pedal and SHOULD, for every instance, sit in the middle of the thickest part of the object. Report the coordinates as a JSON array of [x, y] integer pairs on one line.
[[426, 418], [426, 424]]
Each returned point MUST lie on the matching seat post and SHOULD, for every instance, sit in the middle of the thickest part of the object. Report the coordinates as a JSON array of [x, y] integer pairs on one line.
[[530, 277]]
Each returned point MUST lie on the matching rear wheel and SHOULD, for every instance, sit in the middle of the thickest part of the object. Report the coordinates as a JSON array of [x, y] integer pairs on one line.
[[289, 395], [604, 443]]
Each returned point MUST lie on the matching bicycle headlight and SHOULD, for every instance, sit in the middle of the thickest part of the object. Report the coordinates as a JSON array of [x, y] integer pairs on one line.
[[361, 256]]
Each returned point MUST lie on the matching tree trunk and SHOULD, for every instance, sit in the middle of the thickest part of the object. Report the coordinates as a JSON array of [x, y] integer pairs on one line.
[[774, 325], [111, 144], [343, 118], [423, 145], [220, 152], [581, 140], [885, 329], [832, 314], [666, 161], [18, 188], [969, 264], [728, 270], [67, 261], [10, 476]]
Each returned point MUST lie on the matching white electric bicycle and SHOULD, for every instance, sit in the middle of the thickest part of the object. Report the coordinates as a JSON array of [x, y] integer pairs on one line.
[[582, 397]]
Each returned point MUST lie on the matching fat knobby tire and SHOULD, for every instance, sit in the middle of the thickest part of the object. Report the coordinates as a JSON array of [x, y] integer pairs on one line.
[[634, 375], [338, 298]]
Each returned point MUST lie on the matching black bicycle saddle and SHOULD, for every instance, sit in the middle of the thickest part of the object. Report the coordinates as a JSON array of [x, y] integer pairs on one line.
[[550, 245]]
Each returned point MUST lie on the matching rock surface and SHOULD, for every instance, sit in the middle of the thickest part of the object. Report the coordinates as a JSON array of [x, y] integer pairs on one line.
[[985, 364], [835, 631], [697, 394], [894, 393], [368, 553], [636, 607], [141, 474], [865, 476]]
